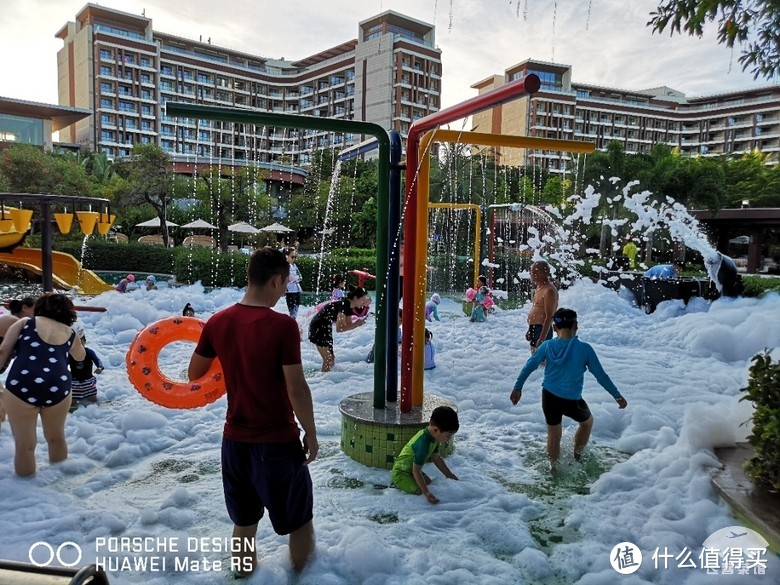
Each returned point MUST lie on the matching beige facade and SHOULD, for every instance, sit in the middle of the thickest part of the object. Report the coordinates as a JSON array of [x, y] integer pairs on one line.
[[117, 65], [729, 124]]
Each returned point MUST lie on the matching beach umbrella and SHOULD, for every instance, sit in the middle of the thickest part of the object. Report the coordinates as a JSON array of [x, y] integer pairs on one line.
[[276, 228], [155, 222], [243, 228], [199, 224]]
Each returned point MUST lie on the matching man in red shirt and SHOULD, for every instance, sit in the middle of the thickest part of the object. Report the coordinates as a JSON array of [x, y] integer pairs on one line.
[[263, 460]]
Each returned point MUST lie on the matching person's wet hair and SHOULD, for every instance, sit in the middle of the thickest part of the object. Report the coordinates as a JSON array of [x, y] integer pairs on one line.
[[356, 293], [17, 305], [266, 263], [56, 306], [445, 418], [565, 318]]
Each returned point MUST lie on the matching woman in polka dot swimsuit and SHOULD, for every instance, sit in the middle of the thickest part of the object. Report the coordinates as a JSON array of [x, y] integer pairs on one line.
[[39, 380]]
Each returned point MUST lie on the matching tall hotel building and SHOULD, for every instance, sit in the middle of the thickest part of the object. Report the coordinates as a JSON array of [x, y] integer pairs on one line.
[[729, 124], [114, 64]]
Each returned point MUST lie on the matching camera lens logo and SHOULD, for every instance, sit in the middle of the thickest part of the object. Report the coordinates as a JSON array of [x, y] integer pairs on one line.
[[42, 554], [625, 558]]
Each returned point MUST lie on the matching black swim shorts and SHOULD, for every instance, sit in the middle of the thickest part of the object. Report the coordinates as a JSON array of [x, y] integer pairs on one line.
[[555, 408]]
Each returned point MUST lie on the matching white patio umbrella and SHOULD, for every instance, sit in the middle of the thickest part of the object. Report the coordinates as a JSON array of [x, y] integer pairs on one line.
[[155, 222], [199, 224], [243, 228], [276, 228]]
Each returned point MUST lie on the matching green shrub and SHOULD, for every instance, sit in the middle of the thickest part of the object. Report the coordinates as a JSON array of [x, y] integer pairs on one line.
[[757, 286], [764, 391], [211, 267]]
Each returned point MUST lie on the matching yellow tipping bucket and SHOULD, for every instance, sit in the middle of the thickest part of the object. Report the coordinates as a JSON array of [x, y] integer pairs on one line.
[[87, 220], [105, 222], [64, 222], [21, 219]]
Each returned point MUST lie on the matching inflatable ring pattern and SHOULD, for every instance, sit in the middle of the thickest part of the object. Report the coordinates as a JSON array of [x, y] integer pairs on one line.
[[144, 372]]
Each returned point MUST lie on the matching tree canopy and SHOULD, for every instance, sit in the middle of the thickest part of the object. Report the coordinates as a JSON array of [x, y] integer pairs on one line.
[[753, 24]]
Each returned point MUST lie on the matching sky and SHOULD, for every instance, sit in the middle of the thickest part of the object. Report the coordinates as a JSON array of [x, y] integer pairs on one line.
[[606, 41], [139, 470]]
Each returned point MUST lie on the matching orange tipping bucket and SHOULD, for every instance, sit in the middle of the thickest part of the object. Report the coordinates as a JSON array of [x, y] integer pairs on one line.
[[64, 222], [105, 222], [87, 220], [21, 219]]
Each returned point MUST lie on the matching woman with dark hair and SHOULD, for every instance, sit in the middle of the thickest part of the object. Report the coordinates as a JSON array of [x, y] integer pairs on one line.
[[293, 294], [39, 381], [341, 313]]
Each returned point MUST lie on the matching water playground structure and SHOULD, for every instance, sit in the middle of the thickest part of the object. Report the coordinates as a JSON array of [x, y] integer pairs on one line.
[[376, 425], [54, 267]]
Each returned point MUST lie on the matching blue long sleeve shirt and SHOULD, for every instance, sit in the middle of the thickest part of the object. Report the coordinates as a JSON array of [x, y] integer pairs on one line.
[[564, 375]]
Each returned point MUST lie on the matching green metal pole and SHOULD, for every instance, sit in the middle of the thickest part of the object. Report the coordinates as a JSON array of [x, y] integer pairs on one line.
[[199, 112]]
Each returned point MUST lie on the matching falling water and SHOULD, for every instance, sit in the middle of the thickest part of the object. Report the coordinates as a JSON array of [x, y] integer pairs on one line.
[[327, 230]]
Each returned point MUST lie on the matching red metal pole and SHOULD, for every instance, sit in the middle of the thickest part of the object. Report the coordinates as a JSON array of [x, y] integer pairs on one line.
[[518, 88], [492, 237]]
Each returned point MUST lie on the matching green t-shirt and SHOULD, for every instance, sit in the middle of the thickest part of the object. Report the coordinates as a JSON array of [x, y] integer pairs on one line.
[[418, 450]]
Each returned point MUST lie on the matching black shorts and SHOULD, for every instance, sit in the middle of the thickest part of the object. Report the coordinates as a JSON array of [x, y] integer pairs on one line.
[[555, 408], [533, 333], [272, 476], [322, 336], [293, 300]]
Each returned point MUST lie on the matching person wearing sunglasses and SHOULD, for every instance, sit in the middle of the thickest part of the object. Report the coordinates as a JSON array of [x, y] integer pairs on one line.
[[293, 295]]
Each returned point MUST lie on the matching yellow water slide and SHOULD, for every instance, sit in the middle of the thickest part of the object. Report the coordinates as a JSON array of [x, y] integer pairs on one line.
[[67, 272]]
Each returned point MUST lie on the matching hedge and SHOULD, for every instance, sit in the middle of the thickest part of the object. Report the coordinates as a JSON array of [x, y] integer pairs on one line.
[[212, 268]]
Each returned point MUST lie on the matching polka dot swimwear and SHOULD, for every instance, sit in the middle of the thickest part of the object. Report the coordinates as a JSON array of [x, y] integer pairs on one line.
[[39, 375]]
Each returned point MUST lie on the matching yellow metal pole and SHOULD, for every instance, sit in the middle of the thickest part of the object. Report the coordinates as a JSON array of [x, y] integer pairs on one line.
[[418, 265], [420, 268]]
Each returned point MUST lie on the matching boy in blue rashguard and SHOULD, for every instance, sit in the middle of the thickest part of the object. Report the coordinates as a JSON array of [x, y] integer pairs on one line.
[[567, 358]]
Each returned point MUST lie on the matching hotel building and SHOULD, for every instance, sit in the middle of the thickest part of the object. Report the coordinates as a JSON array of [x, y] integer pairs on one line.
[[116, 65], [729, 124]]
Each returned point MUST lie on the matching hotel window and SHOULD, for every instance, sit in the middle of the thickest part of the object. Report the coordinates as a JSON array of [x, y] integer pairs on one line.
[[107, 135], [146, 62], [166, 70], [106, 70], [106, 103], [106, 87], [106, 54], [146, 110]]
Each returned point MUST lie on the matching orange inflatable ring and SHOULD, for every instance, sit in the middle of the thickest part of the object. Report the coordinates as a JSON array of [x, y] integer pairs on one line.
[[144, 372]]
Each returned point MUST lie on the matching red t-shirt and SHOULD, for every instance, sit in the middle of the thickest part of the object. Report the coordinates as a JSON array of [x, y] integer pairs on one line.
[[252, 344]]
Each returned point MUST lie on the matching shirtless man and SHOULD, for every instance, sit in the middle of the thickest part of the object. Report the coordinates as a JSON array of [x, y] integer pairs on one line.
[[545, 303]]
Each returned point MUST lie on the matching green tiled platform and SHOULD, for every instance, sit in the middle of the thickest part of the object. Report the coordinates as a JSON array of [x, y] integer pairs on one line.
[[374, 436]]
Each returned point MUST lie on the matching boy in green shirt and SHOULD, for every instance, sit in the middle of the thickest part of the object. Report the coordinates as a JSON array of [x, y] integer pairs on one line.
[[407, 471]]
